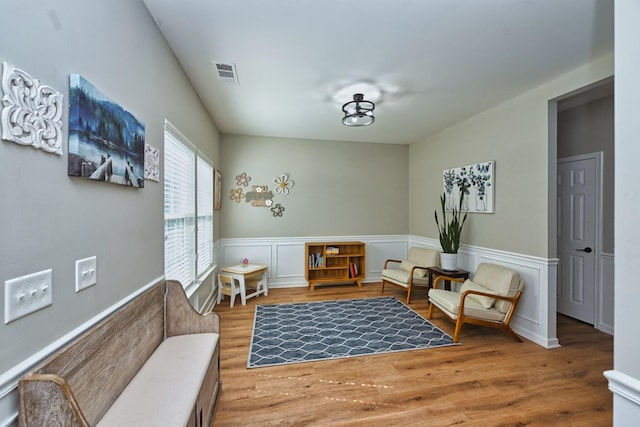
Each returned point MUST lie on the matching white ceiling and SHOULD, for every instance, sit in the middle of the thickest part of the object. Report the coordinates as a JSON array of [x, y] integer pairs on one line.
[[436, 61]]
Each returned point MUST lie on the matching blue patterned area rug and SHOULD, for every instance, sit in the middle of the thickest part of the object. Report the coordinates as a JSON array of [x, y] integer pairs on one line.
[[306, 332]]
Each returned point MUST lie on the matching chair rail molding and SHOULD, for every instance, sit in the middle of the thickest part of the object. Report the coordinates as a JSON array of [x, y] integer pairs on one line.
[[626, 393]]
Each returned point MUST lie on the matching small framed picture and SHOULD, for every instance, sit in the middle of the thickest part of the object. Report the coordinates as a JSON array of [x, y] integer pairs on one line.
[[217, 187]]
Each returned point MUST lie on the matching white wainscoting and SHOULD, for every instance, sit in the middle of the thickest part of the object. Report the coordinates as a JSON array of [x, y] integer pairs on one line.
[[285, 257], [535, 318]]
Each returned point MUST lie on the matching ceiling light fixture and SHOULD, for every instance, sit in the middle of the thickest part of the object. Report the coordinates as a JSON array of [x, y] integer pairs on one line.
[[358, 112]]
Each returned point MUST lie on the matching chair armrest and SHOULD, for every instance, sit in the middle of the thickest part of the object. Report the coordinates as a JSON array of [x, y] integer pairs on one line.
[[442, 277], [391, 260], [485, 294]]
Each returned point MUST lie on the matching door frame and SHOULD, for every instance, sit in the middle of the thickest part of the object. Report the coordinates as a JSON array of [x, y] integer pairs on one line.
[[597, 301]]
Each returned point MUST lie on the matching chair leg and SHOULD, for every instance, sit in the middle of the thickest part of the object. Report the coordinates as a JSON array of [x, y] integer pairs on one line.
[[456, 332], [382, 288], [408, 294], [430, 312]]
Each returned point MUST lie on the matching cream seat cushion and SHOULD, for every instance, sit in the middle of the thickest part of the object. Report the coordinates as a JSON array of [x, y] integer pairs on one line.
[[164, 391], [450, 303], [401, 276]]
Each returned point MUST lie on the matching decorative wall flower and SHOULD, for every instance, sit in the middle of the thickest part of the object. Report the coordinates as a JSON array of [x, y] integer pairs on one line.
[[277, 210], [236, 194], [259, 197], [283, 184], [243, 179]]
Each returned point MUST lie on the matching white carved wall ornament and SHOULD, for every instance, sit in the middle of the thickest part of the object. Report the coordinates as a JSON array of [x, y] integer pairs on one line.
[[31, 113]]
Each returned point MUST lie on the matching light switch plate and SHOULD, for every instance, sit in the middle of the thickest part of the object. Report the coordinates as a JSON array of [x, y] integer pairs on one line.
[[86, 273], [26, 294]]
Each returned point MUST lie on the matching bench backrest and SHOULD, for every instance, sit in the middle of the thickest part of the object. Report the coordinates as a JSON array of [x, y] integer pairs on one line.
[[100, 364]]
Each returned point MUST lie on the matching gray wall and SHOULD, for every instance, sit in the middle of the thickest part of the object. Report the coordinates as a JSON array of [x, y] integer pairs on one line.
[[48, 219], [340, 188], [516, 136], [586, 129]]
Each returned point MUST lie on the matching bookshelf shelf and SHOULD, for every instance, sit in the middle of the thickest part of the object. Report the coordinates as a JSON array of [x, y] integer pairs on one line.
[[334, 262]]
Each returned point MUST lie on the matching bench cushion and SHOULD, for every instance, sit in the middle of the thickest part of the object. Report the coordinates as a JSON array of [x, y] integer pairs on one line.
[[164, 391]]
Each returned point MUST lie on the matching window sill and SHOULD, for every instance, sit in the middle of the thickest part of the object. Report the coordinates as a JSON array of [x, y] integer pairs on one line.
[[192, 288]]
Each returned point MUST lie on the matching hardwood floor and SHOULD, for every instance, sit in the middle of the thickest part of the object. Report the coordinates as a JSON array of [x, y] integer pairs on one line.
[[489, 380]]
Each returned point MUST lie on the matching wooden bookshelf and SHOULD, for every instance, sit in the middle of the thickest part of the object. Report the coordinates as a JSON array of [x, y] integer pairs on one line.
[[334, 262]]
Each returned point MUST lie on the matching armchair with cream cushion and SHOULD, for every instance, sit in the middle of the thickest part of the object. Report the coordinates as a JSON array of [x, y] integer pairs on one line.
[[412, 271], [490, 299]]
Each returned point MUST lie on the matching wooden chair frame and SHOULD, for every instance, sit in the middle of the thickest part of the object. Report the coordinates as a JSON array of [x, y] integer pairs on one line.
[[409, 286], [462, 319]]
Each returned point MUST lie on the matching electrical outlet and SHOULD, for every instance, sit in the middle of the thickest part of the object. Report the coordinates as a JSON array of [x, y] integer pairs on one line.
[[26, 294], [86, 273]]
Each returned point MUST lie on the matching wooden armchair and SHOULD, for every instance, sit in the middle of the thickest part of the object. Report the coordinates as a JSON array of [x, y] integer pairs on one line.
[[489, 300], [412, 271]]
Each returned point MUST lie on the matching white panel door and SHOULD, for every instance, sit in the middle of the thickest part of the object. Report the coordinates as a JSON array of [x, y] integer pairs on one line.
[[577, 238]]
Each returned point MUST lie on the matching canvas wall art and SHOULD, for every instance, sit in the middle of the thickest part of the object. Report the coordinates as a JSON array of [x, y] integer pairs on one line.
[[151, 163], [106, 142], [476, 181]]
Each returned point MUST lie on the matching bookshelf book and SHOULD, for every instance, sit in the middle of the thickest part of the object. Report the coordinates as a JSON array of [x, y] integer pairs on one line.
[[334, 262]]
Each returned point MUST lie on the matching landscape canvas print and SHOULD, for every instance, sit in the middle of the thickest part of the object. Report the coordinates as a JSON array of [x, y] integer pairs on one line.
[[106, 142]]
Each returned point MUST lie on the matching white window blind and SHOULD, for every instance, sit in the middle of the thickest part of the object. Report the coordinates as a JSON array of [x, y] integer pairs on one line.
[[179, 209], [205, 214]]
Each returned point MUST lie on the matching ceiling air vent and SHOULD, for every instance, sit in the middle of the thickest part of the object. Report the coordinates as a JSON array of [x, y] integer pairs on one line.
[[226, 72]]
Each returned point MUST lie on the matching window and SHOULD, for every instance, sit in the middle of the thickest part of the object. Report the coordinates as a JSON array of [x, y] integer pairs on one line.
[[205, 215], [188, 209]]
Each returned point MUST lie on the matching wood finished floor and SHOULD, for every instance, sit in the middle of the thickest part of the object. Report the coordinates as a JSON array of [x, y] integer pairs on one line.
[[489, 380]]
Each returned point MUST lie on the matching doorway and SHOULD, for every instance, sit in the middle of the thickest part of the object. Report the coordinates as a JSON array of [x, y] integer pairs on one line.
[[584, 139], [578, 222]]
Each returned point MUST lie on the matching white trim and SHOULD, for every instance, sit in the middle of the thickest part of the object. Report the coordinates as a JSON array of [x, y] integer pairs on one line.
[[604, 320], [624, 386], [9, 379]]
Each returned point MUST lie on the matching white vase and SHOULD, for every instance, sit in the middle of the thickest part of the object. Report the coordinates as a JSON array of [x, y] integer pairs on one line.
[[449, 262]]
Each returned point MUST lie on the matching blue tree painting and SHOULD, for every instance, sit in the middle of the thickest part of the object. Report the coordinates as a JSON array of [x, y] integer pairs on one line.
[[106, 142]]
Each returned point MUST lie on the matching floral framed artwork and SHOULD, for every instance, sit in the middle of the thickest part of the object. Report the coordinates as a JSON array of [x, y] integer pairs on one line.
[[477, 183], [217, 188]]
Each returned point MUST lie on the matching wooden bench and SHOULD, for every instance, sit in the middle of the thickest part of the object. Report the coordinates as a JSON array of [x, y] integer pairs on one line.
[[154, 362]]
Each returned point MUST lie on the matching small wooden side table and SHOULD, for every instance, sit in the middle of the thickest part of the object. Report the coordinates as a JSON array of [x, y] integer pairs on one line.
[[437, 271], [246, 273]]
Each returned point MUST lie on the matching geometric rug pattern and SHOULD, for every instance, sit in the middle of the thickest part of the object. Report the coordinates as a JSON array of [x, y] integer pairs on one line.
[[311, 331]]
